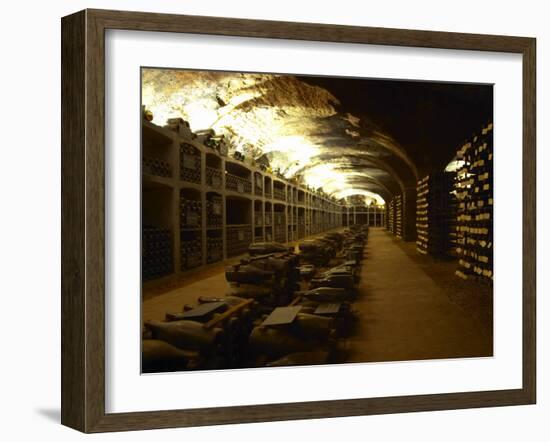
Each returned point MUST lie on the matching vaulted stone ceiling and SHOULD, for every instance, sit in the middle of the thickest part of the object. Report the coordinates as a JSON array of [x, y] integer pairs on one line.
[[346, 136]]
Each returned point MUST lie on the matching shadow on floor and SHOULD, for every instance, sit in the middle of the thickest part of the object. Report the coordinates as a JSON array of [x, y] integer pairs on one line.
[[51, 414]]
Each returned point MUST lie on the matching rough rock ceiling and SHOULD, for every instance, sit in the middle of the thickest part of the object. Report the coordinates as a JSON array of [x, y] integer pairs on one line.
[[346, 136]]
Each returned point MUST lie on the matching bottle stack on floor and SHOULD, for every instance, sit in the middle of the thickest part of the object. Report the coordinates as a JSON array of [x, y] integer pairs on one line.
[[474, 191], [435, 214], [157, 252], [398, 216], [281, 308], [390, 217]]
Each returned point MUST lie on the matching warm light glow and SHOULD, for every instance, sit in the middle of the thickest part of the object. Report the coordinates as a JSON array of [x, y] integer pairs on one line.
[[455, 165], [351, 192], [292, 124], [290, 154], [324, 174]]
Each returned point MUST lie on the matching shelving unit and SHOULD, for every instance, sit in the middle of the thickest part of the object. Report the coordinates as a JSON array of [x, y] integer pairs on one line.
[[391, 217], [474, 193], [435, 214], [208, 207], [399, 216], [374, 216]]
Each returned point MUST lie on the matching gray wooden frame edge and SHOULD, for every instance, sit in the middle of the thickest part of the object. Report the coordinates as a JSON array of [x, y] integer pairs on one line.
[[82, 220]]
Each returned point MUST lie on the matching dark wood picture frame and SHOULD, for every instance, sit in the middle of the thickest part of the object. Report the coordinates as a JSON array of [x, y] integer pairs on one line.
[[83, 216]]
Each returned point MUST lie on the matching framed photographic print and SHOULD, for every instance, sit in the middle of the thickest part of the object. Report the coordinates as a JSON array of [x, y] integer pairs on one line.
[[267, 221]]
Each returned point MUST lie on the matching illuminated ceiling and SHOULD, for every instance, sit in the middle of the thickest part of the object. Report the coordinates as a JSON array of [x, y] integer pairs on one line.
[[301, 127]]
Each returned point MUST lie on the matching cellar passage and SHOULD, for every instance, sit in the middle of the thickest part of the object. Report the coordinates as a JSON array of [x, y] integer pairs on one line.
[[293, 220]]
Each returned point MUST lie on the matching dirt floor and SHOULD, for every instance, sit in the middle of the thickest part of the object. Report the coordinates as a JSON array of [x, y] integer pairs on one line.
[[473, 296], [412, 307]]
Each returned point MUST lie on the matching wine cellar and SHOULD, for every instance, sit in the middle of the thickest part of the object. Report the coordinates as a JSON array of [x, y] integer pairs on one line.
[[454, 210], [262, 247], [201, 207]]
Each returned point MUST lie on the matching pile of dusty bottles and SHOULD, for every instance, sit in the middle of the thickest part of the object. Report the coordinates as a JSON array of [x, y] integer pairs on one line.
[[281, 308]]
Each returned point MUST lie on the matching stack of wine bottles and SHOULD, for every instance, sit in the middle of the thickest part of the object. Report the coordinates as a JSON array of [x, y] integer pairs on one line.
[[301, 226], [237, 183], [218, 143], [157, 167], [209, 138], [279, 221], [239, 238], [191, 250], [290, 196], [190, 213], [214, 177], [435, 214], [474, 191], [190, 164], [214, 247], [190, 225], [180, 126], [279, 193], [399, 216], [258, 183], [157, 258], [214, 211], [314, 222], [390, 218], [258, 218]]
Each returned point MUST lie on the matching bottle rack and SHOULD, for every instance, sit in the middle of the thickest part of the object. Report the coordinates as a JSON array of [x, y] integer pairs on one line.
[[190, 214], [214, 211], [374, 216], [237, 184], [190, 250], [157, 167], [279, 194], [238, 239], [435, 214], [279, 225], [157, 257], [190, 163], [258, 219], [474, 193], [391, 216], [258, 184], [213, 177], [399, 216], [197, 201], [214, 246]]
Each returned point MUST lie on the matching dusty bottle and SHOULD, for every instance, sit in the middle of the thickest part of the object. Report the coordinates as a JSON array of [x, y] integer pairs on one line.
[[276, 342], [187, 335], [158, 356]]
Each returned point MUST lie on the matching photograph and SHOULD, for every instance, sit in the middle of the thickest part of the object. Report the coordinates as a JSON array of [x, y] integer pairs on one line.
[[297, 220]]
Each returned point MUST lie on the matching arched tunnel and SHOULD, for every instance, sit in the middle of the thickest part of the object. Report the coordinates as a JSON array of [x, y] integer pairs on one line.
[[417, 153], [348, 137]]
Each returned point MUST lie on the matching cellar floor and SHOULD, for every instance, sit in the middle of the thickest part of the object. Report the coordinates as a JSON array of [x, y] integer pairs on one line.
[[409, 307], [406, 311]]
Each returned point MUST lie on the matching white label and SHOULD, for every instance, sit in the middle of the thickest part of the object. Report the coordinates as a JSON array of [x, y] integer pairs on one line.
[[188, 161], [216, 181]]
